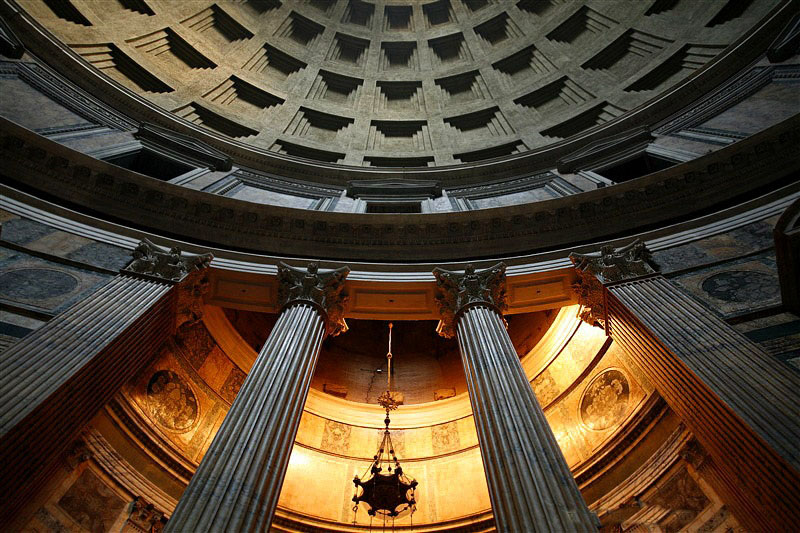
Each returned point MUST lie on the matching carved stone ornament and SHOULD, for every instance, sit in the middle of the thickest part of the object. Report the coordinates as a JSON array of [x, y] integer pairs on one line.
[[591, 298], [615, 264], [145, 517], [325, 290], [694, 454], [455, 291], [155, 262], [77, 454]]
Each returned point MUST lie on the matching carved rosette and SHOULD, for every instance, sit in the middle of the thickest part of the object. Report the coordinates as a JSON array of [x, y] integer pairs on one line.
[[77, 454], [456, 291], [694, 454], [324, 290], [609, 265], [154, 262]]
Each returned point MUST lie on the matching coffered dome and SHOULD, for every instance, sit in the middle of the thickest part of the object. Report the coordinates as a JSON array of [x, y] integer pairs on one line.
[[394, 83]]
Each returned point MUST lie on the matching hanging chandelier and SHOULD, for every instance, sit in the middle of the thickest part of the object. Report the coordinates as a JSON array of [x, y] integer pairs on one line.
[[388, 491]]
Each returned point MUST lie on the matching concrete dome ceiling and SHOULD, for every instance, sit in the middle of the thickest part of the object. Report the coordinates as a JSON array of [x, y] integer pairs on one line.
[[398, 83]]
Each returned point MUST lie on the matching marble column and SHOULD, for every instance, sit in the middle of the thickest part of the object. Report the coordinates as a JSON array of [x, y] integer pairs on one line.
[[53, 381], [740, 403], [237, 484], [530, 484]]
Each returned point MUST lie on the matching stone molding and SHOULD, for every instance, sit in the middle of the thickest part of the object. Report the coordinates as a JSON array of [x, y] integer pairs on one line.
[[324, 290], [154, 262], [182, 147], [713, 180], [456, 291]]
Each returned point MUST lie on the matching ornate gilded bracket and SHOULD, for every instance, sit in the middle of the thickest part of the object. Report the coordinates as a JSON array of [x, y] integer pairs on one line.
[[456, 291], [324, 290]]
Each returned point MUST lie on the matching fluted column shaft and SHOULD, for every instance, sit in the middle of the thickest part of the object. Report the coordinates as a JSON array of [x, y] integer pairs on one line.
[[741, 404], [530, 484], [53, 381], [237, 485]]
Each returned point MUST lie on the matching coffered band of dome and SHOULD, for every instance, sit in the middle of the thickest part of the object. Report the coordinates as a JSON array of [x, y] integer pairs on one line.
[[712, 181], [120, 99]]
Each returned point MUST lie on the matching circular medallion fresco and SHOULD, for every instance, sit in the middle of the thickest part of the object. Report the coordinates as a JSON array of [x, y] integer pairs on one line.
[[605, 400], [742, 286], [36, 283], [171, 401]]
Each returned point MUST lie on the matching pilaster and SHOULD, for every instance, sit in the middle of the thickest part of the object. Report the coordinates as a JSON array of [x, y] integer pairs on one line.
[[740, 403], [530, 485]]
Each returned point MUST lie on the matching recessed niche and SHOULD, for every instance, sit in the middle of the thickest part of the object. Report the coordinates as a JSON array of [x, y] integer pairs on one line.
[[598, 114], [326, 6], [335, 88], [316, 125], [399, 95], [348, 49], [237, 92], [399, 55], [627, 53], [65, 10], [676, 67], [359, 13], [475, 5], [261, 7], [285, 147], [523, 64], [274, 63], [139, 6], [497, 30], [555, 96], [398, 162], [399, 135], [642, 164], [585, 22], [117, 65], [484, 123], [150, 163], [537, 7], [198, 114], [218, 25], [300, 29], [438, 13], [168, 46], [490, 153], [732, 9], [465, 87], [397, 18], [449, 49]]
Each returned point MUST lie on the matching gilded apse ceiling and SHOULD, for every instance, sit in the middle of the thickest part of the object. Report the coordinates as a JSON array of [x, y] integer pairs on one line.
[[392, 83]]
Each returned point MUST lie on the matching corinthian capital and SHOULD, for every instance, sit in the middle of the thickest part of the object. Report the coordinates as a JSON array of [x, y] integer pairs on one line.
[[615, 264], [171, 265], [455, 291], [325, 290]]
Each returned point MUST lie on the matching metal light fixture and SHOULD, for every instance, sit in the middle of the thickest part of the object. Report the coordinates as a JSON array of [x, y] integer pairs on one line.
[[388, 491]]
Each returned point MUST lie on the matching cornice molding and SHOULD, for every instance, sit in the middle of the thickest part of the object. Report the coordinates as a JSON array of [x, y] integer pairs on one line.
[[713, 181]]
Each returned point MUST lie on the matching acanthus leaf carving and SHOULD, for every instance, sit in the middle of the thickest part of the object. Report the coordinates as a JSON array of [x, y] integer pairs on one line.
[[144, 517], [323, 289], [170, 265], [611, 264], [455, 291]]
